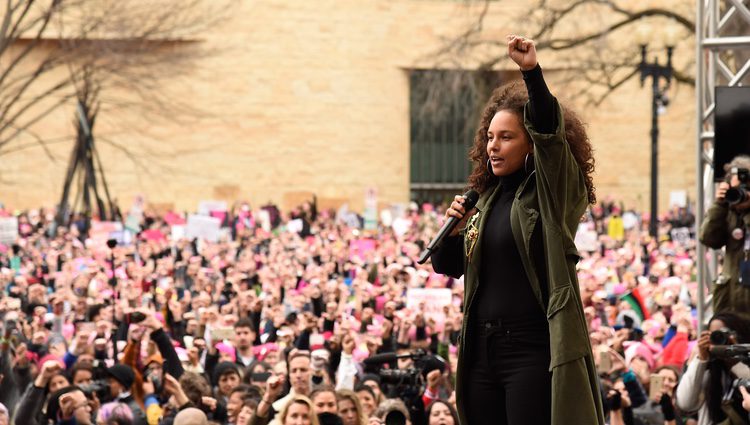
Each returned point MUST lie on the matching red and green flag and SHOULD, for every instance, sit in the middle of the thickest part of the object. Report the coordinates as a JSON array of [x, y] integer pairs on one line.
[[637, 303]]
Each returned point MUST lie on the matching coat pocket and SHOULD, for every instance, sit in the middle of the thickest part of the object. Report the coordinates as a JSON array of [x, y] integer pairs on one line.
[[568, 341], [557, 300]]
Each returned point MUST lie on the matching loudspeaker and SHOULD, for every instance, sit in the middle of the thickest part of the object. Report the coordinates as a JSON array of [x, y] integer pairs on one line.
[[731, 125]]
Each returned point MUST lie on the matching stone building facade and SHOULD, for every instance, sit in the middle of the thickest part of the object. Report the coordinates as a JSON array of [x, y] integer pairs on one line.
[[302, 97]]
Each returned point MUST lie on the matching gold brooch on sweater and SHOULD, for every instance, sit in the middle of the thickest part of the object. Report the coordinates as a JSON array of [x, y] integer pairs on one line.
[[472, 234]]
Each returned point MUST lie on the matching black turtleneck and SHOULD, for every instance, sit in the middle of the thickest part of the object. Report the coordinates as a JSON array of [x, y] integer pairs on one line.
[[504, 289]]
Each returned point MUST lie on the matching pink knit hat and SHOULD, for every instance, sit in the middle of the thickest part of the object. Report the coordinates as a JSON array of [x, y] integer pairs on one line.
[[227, 349], [643, 350]]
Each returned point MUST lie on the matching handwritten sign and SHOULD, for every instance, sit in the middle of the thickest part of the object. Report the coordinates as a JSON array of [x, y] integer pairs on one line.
[[430, 301]]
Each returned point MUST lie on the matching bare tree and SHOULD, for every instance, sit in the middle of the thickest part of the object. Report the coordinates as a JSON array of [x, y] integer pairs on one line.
[[104, 57], [127, 48], [594, 41]]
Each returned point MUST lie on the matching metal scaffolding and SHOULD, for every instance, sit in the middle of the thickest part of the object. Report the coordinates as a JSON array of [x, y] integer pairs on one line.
[[722, 59]]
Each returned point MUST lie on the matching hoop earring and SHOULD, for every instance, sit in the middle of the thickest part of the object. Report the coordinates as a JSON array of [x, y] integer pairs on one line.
[[526, 162], [489, 168]]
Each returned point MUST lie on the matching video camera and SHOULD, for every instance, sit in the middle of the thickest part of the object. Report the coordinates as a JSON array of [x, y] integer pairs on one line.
[[738, 194], [100, 388], [411, 381]]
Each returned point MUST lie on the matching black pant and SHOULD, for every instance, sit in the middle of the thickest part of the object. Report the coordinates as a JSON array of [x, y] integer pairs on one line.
[[506, 377]]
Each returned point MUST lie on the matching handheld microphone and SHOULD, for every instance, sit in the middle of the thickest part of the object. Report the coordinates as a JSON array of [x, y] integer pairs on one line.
[[470, 199]]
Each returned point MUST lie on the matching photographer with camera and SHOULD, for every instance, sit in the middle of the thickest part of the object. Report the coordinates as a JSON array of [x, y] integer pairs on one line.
[[707, 386], [727, 224]]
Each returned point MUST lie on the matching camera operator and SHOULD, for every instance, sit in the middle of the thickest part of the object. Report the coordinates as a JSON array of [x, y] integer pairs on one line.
[[728, 224], [708, 381], [417, 381]]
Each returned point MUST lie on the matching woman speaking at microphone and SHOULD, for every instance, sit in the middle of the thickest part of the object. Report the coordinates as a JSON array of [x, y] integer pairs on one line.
[[525, 356]]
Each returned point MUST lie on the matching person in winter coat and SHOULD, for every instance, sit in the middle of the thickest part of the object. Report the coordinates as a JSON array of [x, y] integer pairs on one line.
[[524, 343]]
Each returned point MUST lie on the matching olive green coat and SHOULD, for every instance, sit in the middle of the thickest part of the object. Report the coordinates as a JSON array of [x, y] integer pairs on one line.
[[555, 194], [716, 232]]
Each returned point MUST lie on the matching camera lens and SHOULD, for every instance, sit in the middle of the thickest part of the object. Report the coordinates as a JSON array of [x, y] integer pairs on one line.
[[395, 418], [735, 195], [720, 337]]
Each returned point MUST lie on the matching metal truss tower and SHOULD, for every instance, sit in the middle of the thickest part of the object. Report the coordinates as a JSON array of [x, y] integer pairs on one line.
[[723, 59]]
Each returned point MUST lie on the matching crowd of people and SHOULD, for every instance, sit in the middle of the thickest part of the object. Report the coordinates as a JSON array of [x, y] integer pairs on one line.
[[322, 323]]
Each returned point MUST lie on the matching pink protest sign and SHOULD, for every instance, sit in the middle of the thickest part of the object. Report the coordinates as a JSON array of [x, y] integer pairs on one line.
[[360, 247], [101, 231], [174, 219], [153, 235]]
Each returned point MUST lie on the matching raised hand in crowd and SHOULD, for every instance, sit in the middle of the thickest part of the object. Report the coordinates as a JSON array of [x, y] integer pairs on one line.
[[49, 369]]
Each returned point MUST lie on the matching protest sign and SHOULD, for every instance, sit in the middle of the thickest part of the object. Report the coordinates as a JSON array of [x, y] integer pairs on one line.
[[680, 235], [203, 227], [586, 238], [102, 231], [360, 247], [294, 226], [178, 232], [430, 301], [8, 230], [678, 198]]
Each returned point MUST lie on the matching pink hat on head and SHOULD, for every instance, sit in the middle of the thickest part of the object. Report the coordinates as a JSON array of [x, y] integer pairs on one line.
[[50, 357], [261, 351], [227, 349], [642, 350]]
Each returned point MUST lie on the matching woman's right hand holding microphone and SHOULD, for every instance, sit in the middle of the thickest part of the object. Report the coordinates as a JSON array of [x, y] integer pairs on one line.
[[458, 211]]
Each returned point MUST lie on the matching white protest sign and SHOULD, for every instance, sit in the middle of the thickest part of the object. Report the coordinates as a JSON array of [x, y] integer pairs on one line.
[[680, 235], [430, 301], [8, 230], [202, 227], [178, 232], [630, 220], [264, 218], [678, 198], [294, 226], [586, 239], [386, 217]]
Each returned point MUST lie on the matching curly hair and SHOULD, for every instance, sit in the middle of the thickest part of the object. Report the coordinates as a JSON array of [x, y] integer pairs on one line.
[[513, 97]]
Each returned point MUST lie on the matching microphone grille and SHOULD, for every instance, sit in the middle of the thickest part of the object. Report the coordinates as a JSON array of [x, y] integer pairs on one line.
[[471, 197]]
